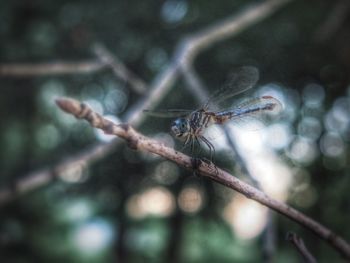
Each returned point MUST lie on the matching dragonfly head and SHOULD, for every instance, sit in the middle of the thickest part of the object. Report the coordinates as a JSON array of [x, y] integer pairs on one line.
[[180, 128]]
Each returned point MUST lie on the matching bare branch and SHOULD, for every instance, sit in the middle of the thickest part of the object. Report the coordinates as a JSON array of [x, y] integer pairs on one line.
[[40, 178], [186, 51], [300, 246], [195, 84], [331, 24], [119, 68], [269, 238], [233, 25], [50, 68], [140, 142]]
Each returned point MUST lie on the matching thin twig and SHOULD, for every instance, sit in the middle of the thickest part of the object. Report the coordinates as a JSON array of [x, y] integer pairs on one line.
[[186, 51], [119, 68], [332, 23], [50, 68], [269, 238], [300, 246], [194, 83], [140, 142], [233, 25], [39, 178]]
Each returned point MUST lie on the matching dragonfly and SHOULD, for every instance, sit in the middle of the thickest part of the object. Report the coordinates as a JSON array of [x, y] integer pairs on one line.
[[190, 125]]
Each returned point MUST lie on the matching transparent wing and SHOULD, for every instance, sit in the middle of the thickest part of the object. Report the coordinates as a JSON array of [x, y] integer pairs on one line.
[[241, 80], [171, 113], [214, 132]]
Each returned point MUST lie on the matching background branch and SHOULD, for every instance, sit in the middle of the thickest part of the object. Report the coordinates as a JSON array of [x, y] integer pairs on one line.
[[139, 142], [232, 25], [332, 23], [298, 243], [50, 68], [119, 68]]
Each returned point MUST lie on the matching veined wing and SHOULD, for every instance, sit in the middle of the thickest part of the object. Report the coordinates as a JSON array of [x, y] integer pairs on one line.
[[252, 108], [241, 80], [171, 113]]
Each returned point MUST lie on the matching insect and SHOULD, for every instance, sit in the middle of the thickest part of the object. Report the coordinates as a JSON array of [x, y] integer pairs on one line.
[[191, 125]]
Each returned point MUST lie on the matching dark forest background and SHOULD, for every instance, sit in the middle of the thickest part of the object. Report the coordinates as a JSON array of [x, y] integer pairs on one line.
[[133, 207]]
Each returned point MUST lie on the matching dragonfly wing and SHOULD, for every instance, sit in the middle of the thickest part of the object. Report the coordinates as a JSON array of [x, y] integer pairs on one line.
[[171, 113], [214, 132], [241, 80]]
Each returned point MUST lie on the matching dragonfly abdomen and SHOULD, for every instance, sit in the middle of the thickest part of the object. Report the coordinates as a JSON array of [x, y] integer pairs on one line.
[[265, 104]]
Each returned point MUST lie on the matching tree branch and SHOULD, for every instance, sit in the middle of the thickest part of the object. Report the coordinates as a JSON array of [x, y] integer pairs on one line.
[[300, 246], [331, 24], [50, 68], [233, 25], [139, 142], [119, 68]]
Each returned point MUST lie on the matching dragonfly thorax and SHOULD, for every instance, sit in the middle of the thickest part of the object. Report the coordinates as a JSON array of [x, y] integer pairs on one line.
[[181, 128]]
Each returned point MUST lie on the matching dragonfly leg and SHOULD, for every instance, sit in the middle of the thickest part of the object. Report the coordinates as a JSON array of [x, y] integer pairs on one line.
[[186, 142], [199, 145], [210, 147], [192, 145], [191, 141], [196, 162]]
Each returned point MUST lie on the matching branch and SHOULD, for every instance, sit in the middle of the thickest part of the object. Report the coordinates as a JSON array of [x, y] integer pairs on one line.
[[186, 51], [119, 68], [233, 25], [332, 23], [140, 142], [106, 59], [50, 68], [269, 238], [300, 246], [44, 176]]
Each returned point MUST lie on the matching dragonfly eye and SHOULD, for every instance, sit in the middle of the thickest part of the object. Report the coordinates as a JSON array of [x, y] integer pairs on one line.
[[180, 127]]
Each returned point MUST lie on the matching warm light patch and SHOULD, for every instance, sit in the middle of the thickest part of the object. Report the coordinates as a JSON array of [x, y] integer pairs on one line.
[[190, 199], [303, 150], [247, 218], [274, 176], [166, 173], [155, 201], [74, 173]]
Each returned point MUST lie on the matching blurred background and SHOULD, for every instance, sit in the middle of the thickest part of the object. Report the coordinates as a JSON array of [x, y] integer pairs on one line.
[[135, 207]]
